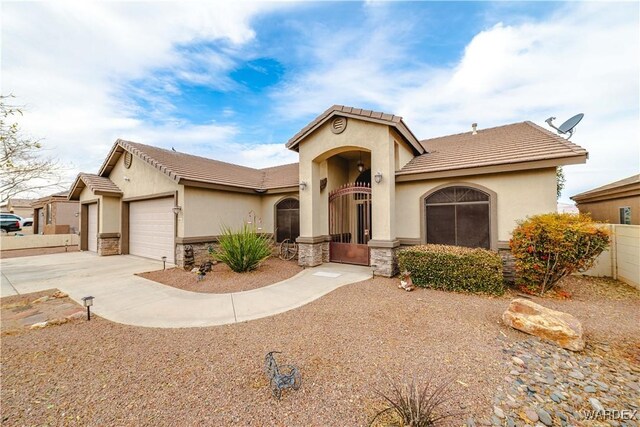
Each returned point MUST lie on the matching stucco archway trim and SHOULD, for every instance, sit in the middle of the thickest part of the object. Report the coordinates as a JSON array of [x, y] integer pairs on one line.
[[493, 210]]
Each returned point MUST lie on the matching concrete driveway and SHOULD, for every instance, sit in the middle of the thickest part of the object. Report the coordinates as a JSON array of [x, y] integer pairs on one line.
[[122, 297]]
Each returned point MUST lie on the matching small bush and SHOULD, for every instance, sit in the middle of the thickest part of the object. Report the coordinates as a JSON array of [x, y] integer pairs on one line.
[[416, 404], [244, 249], [453, 268], [549, 247]]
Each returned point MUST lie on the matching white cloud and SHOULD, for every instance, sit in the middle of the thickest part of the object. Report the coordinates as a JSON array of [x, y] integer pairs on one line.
[[583, 58], [68, 61]]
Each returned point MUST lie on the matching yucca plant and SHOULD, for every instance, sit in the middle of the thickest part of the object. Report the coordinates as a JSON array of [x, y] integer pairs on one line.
[[243, 249], [417, 404]]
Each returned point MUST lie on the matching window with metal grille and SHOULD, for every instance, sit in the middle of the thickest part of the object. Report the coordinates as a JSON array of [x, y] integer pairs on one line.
[[287, 220], [458, 216]]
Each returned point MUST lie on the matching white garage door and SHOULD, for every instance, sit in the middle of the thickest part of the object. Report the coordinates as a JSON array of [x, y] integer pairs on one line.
[[151, 229], [92, 228]]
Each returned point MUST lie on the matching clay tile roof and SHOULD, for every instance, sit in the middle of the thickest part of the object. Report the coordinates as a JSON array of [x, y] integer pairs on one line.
[[514, 143], [99, 183], [358, 113], [613, 188], [189, 169], [96, 183]]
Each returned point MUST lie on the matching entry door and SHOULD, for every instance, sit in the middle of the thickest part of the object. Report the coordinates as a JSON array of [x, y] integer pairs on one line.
[[92, 228], [151, 229], [350, 224]]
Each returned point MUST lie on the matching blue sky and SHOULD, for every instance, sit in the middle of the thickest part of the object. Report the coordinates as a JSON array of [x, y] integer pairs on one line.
[[234, 81]]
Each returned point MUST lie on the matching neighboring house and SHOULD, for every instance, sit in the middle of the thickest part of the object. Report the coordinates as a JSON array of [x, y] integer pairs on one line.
[[55, 214], [364, 186], [20, 207], [616, 203]]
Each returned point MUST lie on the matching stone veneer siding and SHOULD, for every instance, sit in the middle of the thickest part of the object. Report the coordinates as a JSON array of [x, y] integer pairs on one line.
[[313, 254], [200, 253], [508, 265], [385, 261], [108, 246]]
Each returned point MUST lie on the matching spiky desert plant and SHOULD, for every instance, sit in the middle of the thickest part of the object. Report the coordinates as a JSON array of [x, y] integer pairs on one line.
[[243, 249], [417, 403]]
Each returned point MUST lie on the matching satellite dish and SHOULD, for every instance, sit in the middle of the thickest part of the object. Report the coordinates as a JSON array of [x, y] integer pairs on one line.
[[568, 126]]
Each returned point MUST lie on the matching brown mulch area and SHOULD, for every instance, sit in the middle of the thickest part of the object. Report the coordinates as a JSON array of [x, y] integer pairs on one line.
[[16, 253], [222, 279], [103, 373]]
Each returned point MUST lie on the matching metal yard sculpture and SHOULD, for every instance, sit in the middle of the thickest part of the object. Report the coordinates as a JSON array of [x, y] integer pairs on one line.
[[281, 377]]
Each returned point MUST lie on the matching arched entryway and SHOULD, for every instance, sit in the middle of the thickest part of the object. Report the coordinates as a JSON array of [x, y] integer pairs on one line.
[[458, 215], [287, 219]]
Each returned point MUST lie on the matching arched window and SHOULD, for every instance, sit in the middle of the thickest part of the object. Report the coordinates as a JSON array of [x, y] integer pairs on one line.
[[458, 216], [287, 219]]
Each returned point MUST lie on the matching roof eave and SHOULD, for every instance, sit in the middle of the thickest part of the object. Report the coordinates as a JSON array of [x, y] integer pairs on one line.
[[407, 176]]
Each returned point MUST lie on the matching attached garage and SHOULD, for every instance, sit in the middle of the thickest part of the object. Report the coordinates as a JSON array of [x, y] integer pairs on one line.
[[92, 228], [152, 229]]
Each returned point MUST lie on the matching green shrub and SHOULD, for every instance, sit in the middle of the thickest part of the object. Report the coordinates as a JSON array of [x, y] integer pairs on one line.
[[551, 246], [244, 249], [453, 268]]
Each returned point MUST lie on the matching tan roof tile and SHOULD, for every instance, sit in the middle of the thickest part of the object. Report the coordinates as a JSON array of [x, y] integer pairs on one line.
[[186, 168], [514, 143], [374, 116]]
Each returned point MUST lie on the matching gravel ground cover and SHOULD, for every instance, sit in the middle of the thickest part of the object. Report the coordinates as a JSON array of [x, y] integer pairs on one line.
[[16, 253], [222, 279], [345, 344]]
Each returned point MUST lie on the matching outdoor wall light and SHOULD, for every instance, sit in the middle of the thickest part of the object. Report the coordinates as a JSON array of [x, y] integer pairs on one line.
[[303, 185], [77, 214], [164, 262], [88, 302], [176, 209], [378, 177]]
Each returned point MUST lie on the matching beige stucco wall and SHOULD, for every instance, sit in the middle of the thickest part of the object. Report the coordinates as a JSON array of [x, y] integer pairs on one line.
[[609, 210], [65, 214], [519, 194], [144, 179], [320, 146], [204, 211]]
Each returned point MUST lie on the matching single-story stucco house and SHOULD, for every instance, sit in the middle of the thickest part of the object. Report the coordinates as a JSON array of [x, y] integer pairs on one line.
[[364, 186], [20, 207], [616, 203], [55, 214]]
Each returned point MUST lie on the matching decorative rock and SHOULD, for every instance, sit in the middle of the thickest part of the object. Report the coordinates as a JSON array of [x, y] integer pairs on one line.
[[517, 361], [556, 326], [544, 417], [60, 321], [471, 422], [555, 398], [41, 299], [499, 413], [531, 415], [39, 325], [76, 316], [595, 404], [590, 389], [577, 375], [59, 294]]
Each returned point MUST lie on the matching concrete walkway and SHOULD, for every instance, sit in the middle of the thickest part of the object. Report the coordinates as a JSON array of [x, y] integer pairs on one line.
[[122, 297]]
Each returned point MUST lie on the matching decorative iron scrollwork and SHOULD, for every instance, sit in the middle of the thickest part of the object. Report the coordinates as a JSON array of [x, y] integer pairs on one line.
[[281, 377]]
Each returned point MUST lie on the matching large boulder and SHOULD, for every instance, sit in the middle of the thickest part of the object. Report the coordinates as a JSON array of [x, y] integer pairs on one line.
[[561, 328]]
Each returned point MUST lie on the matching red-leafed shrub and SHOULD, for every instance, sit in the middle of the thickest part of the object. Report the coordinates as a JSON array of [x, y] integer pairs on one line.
[[551, 246]]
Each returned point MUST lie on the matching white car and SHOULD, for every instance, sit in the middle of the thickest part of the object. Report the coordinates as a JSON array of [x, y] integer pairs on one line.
[[27, 222]]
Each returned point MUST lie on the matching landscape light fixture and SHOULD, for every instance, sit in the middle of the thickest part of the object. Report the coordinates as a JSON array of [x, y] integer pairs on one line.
[[88, 302], [164, 262], [303, 185], [176, 209], [378, 177]]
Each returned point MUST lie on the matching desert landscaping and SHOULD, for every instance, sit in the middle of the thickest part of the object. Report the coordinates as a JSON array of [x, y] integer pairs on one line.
[[347, 346]]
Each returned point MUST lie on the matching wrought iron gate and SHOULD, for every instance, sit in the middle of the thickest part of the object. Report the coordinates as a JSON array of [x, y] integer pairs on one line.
[[350, 224]]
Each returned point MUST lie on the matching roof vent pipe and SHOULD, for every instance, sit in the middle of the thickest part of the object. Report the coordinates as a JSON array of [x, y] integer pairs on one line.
[[474, 126]]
